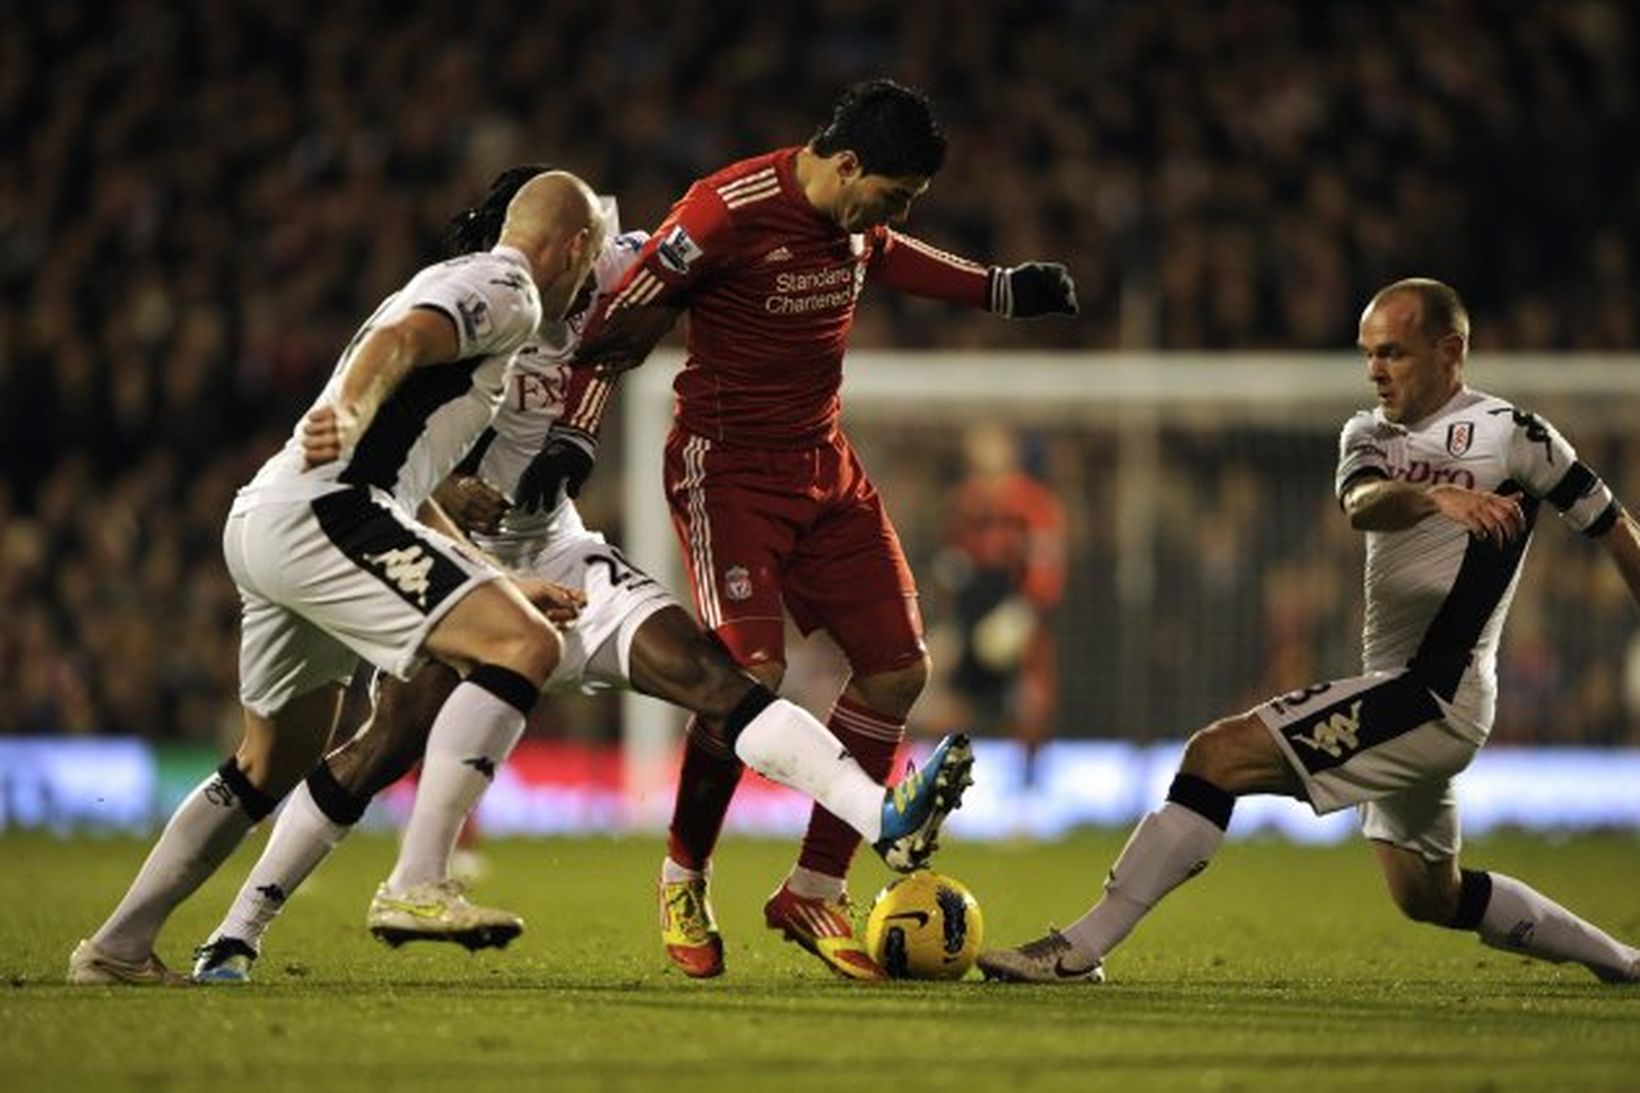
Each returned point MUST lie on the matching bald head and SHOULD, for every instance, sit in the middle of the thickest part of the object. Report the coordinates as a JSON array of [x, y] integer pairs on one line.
[[1439, 309], [556, 220]]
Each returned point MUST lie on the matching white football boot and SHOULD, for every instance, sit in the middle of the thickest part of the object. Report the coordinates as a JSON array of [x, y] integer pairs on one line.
[[439, 911]]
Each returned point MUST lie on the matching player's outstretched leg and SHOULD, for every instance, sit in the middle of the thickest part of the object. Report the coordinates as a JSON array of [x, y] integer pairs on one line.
[[1504, 912], [1167, 848]]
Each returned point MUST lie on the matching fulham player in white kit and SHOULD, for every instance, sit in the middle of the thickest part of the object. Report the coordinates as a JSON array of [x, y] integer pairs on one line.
[[333, 565], [631, 633], [1446, 482]]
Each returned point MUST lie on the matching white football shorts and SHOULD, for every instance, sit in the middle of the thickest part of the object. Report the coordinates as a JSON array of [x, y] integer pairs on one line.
[[323, 582], [597, 649], [1382, 743]]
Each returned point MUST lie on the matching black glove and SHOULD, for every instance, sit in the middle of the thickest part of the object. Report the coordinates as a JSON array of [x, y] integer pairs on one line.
[[1032, 289], [564, 462]]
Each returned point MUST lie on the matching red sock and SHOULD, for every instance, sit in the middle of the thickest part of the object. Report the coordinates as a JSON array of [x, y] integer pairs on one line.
[[706, 784], [874, 740]]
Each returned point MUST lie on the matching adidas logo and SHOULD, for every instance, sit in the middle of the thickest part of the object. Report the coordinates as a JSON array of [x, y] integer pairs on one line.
[[779, 254]]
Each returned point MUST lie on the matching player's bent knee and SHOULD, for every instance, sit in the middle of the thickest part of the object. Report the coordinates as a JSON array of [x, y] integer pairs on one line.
[[528, 645], [893, 692], [1425, 893], [1234, 754]]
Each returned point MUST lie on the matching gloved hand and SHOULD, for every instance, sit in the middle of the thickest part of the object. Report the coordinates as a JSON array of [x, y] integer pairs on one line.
[[563, 463], [1031, 289]]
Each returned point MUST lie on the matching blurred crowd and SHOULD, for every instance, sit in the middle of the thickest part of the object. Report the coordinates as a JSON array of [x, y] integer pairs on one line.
[[199, 202]]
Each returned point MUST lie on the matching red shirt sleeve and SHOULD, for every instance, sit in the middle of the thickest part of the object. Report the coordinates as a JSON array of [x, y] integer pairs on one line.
[[688, 245], [694, 239], [907, 264]]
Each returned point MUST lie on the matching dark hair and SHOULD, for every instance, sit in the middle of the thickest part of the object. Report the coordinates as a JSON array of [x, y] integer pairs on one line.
[[478, 228], [891, 128], [1441, 310]]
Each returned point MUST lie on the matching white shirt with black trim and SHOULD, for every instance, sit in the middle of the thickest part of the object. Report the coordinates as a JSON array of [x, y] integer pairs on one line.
[[1434, 594], [428, 422]]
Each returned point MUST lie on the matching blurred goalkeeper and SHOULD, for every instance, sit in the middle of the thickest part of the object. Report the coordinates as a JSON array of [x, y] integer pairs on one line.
[[1446, 482], [773, 509], [629, 633]]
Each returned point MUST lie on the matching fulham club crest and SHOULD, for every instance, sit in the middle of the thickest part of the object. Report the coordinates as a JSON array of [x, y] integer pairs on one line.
[[1459, 435], [737, 583]]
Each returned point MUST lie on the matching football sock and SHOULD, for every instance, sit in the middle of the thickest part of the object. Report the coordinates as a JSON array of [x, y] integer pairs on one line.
[[785, 744], [672, 872], [475, 731], [200, 835], [812, 884], [1169, 846], [874, 740], [305, 833], [1517, 919], [706, 784]]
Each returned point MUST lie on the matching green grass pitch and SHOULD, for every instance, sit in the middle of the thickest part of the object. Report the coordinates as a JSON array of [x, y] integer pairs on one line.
[[1279, 968]]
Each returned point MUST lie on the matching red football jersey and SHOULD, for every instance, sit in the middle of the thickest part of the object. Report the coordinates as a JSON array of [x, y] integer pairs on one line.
[[770, 285]]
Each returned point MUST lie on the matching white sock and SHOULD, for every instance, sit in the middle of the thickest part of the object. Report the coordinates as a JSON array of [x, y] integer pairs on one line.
[[1519, 919], [672, 872], [785, 744], [301, 839], [199, 837], [1169, 846], [472, 736], [811, 885]]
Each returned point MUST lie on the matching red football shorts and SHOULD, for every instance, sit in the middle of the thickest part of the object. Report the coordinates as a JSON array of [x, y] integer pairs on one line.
[[804, 530]]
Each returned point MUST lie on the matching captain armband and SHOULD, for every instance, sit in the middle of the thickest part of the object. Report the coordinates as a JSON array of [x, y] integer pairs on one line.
[[1585, 502]]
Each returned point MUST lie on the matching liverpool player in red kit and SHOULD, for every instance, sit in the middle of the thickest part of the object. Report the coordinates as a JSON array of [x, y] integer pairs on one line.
[[771, 505]]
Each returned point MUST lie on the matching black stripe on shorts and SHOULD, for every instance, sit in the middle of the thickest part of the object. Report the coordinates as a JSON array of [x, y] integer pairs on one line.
[[416, 570], [1337, 733]]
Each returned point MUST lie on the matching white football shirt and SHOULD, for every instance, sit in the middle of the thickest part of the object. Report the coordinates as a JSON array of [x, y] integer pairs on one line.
[[1436, 598], [432, 418]]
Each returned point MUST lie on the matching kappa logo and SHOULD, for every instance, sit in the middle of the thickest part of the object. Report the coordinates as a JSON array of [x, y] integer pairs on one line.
[[407, 570], [1337, 734], [779, 254], [272, 893], [1459, 435], [677, 251], [475, 316], [737, 583]]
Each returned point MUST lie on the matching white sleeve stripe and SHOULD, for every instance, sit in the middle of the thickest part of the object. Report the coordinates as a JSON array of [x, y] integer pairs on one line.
[[591, 408], [750, 196], [948, 258], [751, 181], [642, 280]]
